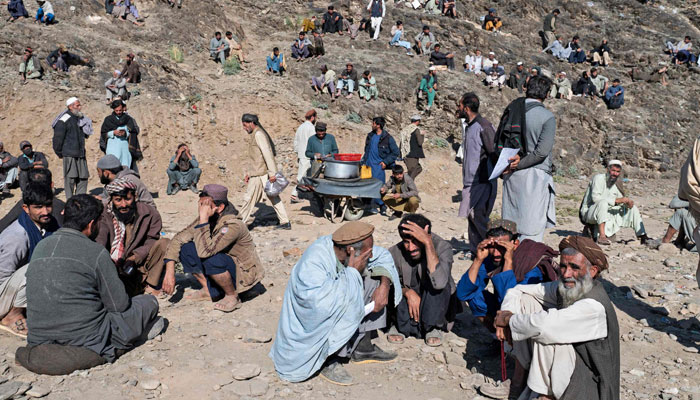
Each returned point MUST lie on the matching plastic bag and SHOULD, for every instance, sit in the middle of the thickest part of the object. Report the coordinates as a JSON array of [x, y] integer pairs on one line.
[[273, 189]]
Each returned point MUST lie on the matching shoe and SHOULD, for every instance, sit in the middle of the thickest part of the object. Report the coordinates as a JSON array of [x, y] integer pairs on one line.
[[287, 226], [382, 211], [496, 391], [156, 328], [377, 355], [335, 373], [194, 189]]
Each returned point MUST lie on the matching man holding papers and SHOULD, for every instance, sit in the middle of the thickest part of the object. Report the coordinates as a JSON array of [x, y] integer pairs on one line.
[[478, 147]]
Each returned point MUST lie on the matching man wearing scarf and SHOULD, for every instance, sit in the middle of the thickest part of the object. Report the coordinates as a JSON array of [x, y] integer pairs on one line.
[[17, 244], [605, 206], [119, 124], [566, 332], [130, 231], [69, 145]]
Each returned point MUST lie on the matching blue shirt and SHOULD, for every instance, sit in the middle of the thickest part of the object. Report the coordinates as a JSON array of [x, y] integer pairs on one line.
[[373, 154], [612, 90]]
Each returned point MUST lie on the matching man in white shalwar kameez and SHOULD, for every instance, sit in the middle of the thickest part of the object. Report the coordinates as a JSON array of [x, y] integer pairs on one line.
[[301, 139]]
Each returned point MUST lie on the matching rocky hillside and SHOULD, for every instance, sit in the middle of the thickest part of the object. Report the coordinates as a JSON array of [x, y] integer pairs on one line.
[[193, 101]]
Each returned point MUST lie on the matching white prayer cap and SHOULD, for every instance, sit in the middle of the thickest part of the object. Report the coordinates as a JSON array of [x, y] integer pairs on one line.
[[71, 101], [562, 72], [519, 63], [432, 68], [415, 117], [615, 162], [495, 61], [491, 53], [118, 72]]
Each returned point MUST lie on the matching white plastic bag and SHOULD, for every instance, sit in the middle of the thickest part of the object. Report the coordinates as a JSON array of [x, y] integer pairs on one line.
[[274, 189]]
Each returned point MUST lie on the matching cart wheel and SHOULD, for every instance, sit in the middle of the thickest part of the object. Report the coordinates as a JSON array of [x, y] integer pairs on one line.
[[354, 210], [332, 210]]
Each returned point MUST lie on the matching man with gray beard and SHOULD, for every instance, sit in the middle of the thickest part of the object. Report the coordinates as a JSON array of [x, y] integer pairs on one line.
[[69, 145], [565, 333]]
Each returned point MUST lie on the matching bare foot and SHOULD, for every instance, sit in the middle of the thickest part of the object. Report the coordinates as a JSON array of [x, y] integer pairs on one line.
[[398, 339], [15, 323], [228, 304], [199, 295]]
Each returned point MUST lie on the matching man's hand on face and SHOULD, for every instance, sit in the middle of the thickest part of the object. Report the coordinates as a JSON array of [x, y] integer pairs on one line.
[[359, 262], [482, 249], [508, 246], [413, 301], [206, 209], [417, 232]]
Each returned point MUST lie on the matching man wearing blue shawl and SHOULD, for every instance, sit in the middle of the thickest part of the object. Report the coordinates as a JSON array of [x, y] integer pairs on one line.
[[334, 303], [17, 243]]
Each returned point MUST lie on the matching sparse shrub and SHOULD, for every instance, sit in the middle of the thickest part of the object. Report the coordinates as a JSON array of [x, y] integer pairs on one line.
[[318, 104], [353, 117], [175, 53], [440, 143], [232, 66]]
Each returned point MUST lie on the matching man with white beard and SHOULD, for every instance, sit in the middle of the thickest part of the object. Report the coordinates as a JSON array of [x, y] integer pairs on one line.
[[565, 333]]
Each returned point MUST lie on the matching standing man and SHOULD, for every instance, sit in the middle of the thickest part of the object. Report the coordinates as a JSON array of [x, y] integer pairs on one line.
[[29, 160], [301, 139], [262, 168], [376, 9], [528, 186], [689, 190], [381, 153], [321, 144], [69, 145], [8, 170], [478, 192], [411, 146], [549, 27]]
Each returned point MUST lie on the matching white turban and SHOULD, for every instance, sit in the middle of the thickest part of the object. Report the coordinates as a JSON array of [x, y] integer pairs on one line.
[[615, 162], [71, 101], [118, 72]]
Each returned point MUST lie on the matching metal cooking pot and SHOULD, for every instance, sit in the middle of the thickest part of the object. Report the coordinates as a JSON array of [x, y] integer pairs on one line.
[[341, 169]]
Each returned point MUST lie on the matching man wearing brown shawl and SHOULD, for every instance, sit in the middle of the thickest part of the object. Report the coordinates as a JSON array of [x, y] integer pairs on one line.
[[565, 332]]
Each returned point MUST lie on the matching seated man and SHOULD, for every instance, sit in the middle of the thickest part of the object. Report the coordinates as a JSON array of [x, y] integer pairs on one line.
[[115, 87], [183, 171], [334, 302], [218, 47], [561, 87], [601, 54], [131, 71], [683, 223], [578, 55], [28, 161], [615, 95], [317, 50], [606, 208], [424, 41], [30, 67], [518, 77], [44, 14], [558, 50], [428, 88], [75, 296], [599, 81], [308, 24], [62, 59], [235, 48], [301, 47], [492, 22], [507, 262], [17, 243], [681, 52], [43, 177], [16, 9], [332, 21], [8, 170], [565, 332], [368, 86], [124, 11], [487, 64], [218, 250], [321, 144], [449, 8], [276, 63], [439, 58], [584, 86], [473, 62], [424, 262], [495, 76], [400, 193], [397, 38], [324, 81], [130, 231], [109, 169], [347, 80]]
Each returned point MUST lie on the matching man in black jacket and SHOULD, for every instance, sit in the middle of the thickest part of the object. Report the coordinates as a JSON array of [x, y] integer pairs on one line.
[[29, 160], [62, 59], [411, 146], [439, 58], [69, 145]]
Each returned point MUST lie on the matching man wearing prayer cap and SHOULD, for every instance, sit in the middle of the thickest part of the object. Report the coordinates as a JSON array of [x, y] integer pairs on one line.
[[69, 136], [334, 301], [411, 146], [605, 209], [130, 230], [301, 139], [110, 168], [218, 250], [565, 333], [115, 87]]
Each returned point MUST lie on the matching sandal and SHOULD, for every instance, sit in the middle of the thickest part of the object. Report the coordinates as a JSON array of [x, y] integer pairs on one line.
[[227, 308], [436, 336], [398, 337], [18, 328], [604, 242]]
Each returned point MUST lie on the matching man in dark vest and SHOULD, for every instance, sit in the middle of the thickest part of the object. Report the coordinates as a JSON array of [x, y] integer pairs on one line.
[[573, 353]]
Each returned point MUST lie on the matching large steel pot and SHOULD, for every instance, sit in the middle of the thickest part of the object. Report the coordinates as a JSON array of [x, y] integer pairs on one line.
[[341, 169]]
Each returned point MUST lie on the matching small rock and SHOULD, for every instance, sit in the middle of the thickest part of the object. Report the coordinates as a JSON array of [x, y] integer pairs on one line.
[[690, 349], [668, 249], [150, 384], [293, 252], [694, 308], [672, 262], [245, 371], [440, 357], [258, 388], [637, 372], [672, 390], [38, 391], [254, 335], [9, 389]]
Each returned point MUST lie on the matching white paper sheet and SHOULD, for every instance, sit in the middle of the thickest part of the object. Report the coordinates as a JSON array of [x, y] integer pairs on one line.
[[502, 162], [369, 307]]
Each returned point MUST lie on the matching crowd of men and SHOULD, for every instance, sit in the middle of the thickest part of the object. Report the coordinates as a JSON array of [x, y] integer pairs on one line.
[[79, 279]]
